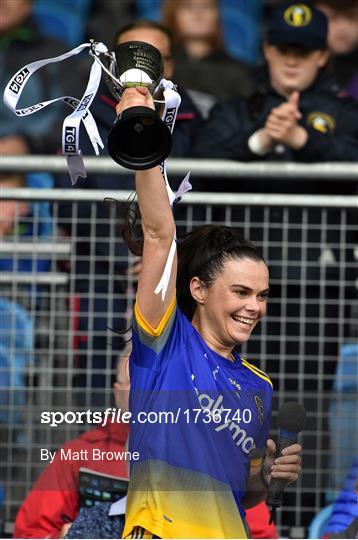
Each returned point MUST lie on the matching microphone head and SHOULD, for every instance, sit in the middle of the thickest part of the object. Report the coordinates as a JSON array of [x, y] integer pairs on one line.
[[291, 417]]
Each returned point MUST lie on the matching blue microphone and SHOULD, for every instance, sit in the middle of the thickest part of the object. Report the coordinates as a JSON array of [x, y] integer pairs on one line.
[[291, 419]]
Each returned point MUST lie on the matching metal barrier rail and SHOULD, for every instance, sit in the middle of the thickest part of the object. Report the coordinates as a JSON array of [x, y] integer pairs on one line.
[[247, 199], [309, 243], [34, 278], [198, 167], [22, 248]]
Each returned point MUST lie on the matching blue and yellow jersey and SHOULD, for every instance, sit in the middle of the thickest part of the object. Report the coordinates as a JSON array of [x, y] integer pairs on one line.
[[207, 419]]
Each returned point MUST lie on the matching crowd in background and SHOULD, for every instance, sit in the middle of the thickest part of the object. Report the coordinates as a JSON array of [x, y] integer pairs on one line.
[[216, 50], [235, 72]]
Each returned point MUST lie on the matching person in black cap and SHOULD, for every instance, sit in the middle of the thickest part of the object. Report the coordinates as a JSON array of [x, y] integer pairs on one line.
[[295, 115]]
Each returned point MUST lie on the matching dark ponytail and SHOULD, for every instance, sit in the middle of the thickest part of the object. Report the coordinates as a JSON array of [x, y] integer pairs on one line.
[[201, 253], [130, 228]]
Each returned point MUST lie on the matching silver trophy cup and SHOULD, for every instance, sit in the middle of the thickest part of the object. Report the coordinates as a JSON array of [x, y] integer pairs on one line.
[[139, 138]]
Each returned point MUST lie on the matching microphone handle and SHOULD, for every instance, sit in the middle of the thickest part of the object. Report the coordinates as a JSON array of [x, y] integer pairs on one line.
[[277, 485]]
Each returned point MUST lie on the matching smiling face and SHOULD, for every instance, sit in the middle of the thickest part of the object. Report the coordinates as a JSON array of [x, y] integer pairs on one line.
[[291, 67], [229, 309]]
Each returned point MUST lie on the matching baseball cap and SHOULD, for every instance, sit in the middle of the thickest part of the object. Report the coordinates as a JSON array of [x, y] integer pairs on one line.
[[298, 23]]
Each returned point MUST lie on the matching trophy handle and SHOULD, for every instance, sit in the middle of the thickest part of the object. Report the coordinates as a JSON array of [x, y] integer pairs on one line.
[[110, 56]]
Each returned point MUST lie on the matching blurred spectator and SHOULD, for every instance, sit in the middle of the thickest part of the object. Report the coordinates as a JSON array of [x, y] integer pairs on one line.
[[106, 15], [21, 42], [24, 221], [240, 25], [202, 65], [11, 212], [343, 413], [54, 500], [20, 221], [16, 355], [296, 115], [343, 522], [99, 299], [343, 41]]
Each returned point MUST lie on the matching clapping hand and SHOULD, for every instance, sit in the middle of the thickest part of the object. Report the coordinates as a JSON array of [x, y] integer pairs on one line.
[[282, 124]]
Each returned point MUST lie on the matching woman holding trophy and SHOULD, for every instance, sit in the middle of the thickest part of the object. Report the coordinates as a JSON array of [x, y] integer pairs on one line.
[[200, 413]]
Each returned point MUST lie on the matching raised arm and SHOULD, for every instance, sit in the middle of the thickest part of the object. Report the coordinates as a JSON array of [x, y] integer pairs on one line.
[[157, 224]]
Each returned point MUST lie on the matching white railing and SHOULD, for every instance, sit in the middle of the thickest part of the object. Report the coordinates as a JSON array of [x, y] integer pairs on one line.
[[298, 343], [247, 199], [198, 167]]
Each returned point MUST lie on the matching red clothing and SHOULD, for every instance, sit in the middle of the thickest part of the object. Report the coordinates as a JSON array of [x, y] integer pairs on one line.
[[56, 491], [257, 518]]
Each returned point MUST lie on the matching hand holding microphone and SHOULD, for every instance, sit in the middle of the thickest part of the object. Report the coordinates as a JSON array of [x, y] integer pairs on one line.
[[282, 463]]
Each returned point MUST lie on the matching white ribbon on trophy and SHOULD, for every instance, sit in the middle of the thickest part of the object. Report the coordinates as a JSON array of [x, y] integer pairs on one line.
[[81, 113], [71, 124], [172, 102]]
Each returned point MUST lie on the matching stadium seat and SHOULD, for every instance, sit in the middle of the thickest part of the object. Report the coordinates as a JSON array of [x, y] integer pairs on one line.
[[63, 19]]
